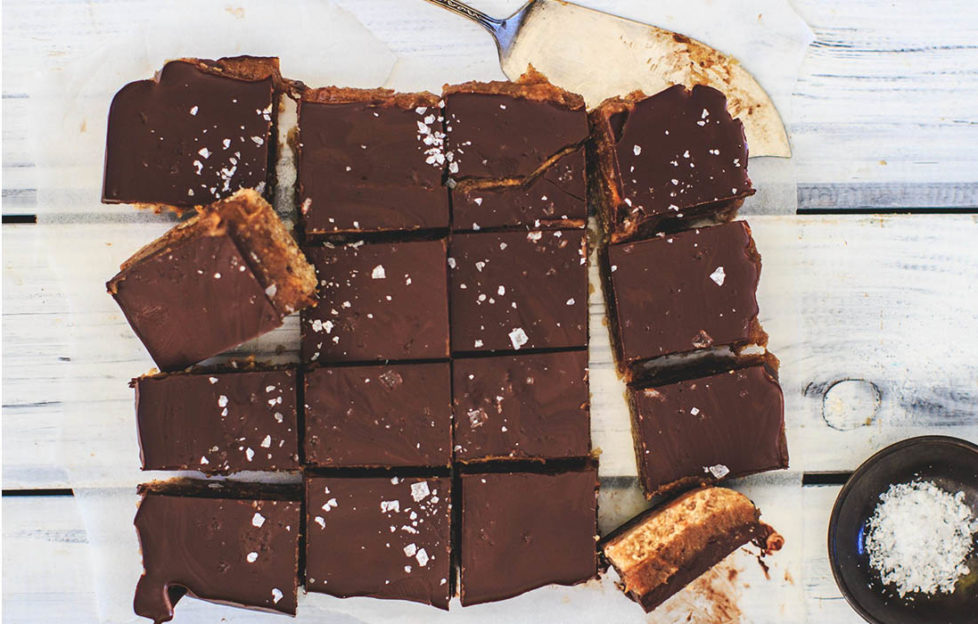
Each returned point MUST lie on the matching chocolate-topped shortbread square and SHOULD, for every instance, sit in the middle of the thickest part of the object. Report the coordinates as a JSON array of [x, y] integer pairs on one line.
[[516, 154], [522, 406], [224, 276], [218, 420], [385, 537], [378, 301], [370, 160], [703, 430], [682, 293], [556, 198], [233, 544], [674, 156], [521, 530], [196, 133], [505, 130], [381, 416], [513, 291], [665, 548]]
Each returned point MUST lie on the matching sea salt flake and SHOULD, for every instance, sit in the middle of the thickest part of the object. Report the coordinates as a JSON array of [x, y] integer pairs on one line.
[[252, 557], [637, 150], [518, 337], [378, 272], [257, 519], [276, 595], [916, 556], [419, 491], [718, 471], [718, 276]]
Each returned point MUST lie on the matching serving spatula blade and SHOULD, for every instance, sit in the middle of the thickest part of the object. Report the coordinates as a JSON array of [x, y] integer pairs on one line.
[[600, 55]]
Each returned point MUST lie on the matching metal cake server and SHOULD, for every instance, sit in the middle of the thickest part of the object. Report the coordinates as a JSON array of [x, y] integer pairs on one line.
[[600, 55]]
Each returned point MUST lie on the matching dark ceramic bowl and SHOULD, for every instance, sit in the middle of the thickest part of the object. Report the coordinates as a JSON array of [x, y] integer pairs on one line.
[[951, 464]]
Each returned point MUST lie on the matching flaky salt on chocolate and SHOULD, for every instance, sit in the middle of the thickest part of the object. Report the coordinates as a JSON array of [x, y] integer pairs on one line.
[[662, 550], [385, 537], [701, 430], [370, 160], [218, 420], [230, 544], [379, 415], [521, 406], [378, 301], [676, 156], [198, 132], [516, 154], [685, 293], [513, 291], [225, 276]]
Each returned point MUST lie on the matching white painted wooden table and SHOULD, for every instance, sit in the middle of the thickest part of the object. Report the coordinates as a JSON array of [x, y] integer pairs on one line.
[[874, 317]]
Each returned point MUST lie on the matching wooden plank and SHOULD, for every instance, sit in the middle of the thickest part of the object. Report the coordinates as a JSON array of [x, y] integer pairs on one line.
[[823, 601], [47, 562], [873, 319], [884, 96]]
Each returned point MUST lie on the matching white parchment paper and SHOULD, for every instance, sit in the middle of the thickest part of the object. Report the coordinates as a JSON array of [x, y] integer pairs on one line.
[[323, 43]]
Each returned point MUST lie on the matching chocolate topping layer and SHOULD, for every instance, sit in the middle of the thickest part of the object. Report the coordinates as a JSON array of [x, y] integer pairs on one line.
[[225, 276], [683, 292], [371, 161], [521, 531], [379, 536], [237, 551], [218, 422], [509, 129], [660, 551], [555, 198], [194, 298], [526, 406], [677, 155], [518, 290], [702, 430], [379, 416], [378, 301], [199, 132]]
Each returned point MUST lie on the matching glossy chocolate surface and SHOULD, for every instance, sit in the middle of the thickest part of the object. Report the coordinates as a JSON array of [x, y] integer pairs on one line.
[[499, 135], [524, 406], [370, 161], [218, 422], [379, 536], [677, 154], [557, 198], [703, 430], [243, 552], [192, 136], [378, 301], [521, 531], [518, 290], [193, 299], [684, 292], [379, 416]]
